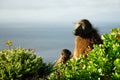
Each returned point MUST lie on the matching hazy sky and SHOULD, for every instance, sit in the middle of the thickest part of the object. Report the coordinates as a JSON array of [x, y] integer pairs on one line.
[[59, 11]]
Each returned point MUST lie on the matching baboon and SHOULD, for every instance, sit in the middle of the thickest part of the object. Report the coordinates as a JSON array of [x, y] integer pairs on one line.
[[64, 56], [86, 36]]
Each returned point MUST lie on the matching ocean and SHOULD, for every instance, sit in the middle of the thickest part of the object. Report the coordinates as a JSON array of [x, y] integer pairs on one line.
[[47, 40]]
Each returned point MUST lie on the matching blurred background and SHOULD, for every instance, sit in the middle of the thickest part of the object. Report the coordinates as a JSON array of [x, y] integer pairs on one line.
[[46, 25]]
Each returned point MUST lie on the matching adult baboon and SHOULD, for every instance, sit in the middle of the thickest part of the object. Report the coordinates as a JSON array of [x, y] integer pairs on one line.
[[86, 36]]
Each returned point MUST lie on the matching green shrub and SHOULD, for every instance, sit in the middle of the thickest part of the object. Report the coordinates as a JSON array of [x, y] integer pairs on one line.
[[22, 64], [102, 63]]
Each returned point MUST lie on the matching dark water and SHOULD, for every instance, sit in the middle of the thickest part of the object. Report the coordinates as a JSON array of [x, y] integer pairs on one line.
[[47, 41]]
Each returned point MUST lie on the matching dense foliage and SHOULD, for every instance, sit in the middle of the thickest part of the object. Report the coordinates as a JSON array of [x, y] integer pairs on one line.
[[102, 63], [22, 64]]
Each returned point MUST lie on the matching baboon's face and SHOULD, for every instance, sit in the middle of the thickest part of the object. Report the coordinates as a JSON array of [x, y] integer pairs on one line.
[[65, 54], [82, 27], [79, 28]]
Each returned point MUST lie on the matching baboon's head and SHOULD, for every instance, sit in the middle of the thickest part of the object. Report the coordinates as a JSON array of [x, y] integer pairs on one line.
[[65, 55], [82, 28]]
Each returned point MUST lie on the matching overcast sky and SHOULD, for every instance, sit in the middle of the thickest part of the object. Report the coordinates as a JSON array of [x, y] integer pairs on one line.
[[59, 11]]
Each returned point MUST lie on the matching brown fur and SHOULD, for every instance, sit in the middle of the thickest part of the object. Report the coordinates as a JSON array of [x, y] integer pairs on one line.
[[118, 37], [64, 56], [86, 36]]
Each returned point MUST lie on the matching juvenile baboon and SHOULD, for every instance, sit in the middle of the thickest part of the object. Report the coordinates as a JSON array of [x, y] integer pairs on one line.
[[86, 36], [64, 56]]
